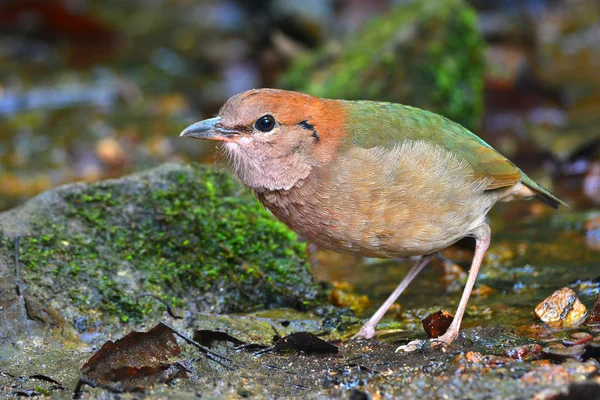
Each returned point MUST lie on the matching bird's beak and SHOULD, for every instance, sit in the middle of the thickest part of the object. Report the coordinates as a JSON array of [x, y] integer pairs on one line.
[[209, 129]]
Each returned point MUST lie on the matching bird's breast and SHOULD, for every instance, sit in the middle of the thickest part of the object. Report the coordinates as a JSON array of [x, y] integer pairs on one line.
[[410, 200]]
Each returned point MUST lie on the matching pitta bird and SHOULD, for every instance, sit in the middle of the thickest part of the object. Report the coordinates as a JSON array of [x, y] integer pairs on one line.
[[374, 179]]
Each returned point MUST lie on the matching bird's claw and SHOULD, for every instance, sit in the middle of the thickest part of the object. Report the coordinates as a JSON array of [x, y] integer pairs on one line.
[[437, 344], [365, 333]]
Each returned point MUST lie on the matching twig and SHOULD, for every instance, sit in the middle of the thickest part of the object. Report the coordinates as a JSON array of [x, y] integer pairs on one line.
[[270, 349], [169, 308], [207, 352], [41, 377]]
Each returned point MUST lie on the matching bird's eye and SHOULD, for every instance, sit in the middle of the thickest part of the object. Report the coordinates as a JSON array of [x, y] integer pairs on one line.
[[265, 123]]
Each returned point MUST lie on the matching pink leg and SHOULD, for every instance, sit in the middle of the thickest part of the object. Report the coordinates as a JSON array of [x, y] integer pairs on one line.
[[368, 330], [482, 237]]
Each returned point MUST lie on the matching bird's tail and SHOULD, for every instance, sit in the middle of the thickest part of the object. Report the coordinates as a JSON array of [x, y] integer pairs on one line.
[[542, 194]]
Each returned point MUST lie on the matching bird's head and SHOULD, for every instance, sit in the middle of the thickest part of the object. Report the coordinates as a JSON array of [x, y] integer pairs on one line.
[[274, 138]]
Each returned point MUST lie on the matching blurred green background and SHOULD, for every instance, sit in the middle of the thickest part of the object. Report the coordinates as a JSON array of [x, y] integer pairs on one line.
[[94, 89]]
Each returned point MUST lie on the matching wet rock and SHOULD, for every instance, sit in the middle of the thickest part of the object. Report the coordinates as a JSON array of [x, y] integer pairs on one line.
[[541, 332], [437, 323], [523, 352], [14, 322], [577, 338], [563, 307], [187, 234], [45, 315], [266, 326], [560, 352], [560, 375], [479, 360]]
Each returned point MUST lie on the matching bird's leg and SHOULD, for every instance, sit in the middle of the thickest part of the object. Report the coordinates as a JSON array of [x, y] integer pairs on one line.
[[368, 330], [482, 238]]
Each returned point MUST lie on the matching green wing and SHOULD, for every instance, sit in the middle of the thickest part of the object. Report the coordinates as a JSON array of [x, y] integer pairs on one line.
[[385, 124]]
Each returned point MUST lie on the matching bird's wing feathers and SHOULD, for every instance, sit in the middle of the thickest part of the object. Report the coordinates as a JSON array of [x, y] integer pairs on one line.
[[372, 124], [488, 163]]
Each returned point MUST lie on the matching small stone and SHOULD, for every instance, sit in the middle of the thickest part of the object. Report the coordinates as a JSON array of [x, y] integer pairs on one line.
[[476, 359], [577, 338], [562, 306], [437, 323], [560, 352], [526, 351]]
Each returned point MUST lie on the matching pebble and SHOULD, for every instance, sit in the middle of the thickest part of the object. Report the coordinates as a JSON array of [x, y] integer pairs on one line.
[[560, 352], [562, 306], [577, 338]]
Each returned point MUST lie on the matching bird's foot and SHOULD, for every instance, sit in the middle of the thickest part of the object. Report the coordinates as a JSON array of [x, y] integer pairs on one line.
[[440, 343], [366, 332], [422, 345]]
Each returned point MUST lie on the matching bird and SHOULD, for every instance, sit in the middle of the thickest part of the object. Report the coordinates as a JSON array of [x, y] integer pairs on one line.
[[374, 179]]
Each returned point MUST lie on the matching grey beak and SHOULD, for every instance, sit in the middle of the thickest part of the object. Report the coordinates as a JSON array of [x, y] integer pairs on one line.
[[206, 129]]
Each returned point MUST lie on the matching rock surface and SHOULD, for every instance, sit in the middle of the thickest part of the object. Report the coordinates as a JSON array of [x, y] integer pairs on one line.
[[78, 257]]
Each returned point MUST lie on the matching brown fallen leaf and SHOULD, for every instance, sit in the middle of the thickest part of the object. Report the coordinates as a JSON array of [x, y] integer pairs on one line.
[[594, 318], [436, 324], [135, 362], [305, 342], [206, 337]]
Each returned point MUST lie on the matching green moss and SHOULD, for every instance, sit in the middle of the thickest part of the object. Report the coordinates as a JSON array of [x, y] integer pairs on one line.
[[428, 54], [190, 235]]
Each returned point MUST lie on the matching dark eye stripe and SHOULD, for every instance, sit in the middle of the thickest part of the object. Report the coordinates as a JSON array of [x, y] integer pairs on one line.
[[242, 129], [310, 127]]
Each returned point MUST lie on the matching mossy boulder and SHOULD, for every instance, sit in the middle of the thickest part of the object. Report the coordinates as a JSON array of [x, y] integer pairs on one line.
[[189, 235], [425, 53]]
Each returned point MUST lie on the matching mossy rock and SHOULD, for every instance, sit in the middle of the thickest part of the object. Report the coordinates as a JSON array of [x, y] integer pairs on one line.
[[425, 53], [187, 234]]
